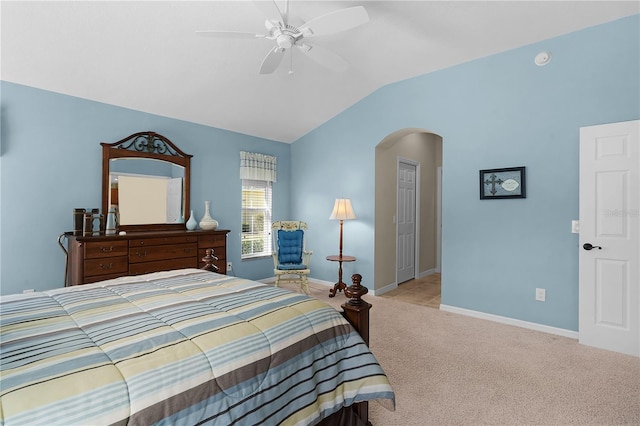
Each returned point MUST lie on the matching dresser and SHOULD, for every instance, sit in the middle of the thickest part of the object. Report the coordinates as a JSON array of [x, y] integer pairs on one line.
[[102, 257]]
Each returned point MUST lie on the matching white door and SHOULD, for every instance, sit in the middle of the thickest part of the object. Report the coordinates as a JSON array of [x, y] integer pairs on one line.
[[610, 237], [406, 222]]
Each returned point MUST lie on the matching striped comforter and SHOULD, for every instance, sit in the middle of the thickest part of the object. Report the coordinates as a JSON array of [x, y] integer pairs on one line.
[[179, 347]]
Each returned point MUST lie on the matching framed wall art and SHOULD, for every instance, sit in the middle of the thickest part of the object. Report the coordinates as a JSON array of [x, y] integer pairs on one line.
[[503, 183]]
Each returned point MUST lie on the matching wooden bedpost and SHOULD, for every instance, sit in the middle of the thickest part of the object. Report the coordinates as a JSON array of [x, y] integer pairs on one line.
[[208, 260], [356, 311]]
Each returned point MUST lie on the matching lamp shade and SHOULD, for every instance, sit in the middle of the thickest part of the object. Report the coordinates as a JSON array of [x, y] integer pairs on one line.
[[342, 210]]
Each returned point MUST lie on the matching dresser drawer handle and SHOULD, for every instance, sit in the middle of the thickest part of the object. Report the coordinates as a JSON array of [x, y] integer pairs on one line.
[[106, 249], [105, 267], [141, 253]]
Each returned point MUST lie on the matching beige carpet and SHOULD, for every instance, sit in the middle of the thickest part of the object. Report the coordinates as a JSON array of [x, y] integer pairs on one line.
[[449, 369]]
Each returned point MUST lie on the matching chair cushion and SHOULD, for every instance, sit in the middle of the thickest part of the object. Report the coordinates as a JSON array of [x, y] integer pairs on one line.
[[291, 266], [290, 247]]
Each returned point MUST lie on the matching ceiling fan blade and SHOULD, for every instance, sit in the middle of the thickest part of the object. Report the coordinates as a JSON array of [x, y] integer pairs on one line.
[[325, 57], [272, 60], [270, 10], [335, 22], [228, 34]]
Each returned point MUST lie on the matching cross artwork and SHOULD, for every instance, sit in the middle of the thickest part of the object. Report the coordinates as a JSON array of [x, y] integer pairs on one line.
[[493, 183], [502, 183]]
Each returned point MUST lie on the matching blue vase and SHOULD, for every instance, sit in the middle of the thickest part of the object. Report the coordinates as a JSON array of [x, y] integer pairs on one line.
[[111, 222], [192, 224]]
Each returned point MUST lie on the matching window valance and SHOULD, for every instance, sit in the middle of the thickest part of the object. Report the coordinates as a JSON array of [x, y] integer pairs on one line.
[[257, 166]]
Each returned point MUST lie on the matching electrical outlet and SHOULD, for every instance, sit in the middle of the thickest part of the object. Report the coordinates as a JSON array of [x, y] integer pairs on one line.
[[541, 294], [229, 266]]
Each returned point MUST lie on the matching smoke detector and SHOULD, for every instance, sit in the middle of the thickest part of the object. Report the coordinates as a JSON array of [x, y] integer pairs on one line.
[[542, 59]]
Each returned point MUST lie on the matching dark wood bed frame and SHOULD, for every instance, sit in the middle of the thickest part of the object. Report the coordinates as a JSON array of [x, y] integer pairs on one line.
[[356, 311]]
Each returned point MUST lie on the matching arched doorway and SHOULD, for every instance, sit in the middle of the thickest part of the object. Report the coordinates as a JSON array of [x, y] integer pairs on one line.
[[423, 149]]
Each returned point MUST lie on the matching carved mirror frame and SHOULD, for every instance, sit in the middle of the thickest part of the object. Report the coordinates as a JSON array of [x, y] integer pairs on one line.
[[146, 145]]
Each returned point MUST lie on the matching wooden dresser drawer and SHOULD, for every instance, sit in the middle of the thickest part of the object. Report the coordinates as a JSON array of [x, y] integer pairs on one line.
[[164, 265], [153, 253], [158, 241], [106, 266], [100, 249], [96, 278], [212, 241]]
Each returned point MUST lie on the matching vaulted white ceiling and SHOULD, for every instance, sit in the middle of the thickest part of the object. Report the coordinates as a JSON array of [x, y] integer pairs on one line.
[[145, 55]]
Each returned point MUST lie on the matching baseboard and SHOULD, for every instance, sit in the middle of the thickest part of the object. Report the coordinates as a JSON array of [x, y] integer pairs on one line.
[[511, 321], [385, 289], [271, 280], [427, 273], [327, 284]]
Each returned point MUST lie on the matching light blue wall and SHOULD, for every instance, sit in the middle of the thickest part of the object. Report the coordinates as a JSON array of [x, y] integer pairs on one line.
[[51, 163], [498, 111]]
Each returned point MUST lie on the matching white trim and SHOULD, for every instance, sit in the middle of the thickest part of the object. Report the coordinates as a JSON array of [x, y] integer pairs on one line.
[[439, 219], [427, 273], [511, 321], [385, 289], [322, 282], [272, 279], [330, 284]]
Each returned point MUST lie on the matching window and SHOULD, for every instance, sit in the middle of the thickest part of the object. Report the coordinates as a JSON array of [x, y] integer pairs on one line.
[[256, 218], [257, 172]]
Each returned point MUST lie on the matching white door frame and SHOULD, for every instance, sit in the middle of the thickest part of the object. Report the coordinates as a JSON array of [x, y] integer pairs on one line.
[[417, 216], [439, 219]]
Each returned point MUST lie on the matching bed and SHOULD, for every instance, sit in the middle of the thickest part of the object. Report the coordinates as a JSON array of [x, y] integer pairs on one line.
[[181, 347]]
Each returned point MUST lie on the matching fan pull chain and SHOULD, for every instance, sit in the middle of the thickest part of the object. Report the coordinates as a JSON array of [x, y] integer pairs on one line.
[[291, 62]]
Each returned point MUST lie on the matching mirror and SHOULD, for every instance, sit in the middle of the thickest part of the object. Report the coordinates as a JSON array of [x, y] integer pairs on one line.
[[146, 180]]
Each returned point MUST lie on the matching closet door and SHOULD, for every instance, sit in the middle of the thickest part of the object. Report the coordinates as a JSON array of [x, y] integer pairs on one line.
[[406, 222]]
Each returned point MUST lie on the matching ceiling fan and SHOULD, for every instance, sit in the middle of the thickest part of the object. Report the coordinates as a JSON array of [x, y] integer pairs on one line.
[[288, 31]]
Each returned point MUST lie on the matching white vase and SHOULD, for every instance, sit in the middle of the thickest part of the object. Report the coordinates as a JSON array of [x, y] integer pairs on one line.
[[192, 223], [208, 223]]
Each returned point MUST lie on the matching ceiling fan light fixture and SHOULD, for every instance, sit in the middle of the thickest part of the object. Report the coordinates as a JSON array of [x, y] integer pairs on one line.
[[284, 41]]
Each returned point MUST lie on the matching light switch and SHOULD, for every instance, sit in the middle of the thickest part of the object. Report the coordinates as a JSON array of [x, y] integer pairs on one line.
[[575, 226]]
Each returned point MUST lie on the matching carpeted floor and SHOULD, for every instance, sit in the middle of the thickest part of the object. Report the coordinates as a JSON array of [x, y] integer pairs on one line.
[[449, 369]]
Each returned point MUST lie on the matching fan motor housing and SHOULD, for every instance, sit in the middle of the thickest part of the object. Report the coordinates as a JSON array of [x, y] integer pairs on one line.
[[287, 36]]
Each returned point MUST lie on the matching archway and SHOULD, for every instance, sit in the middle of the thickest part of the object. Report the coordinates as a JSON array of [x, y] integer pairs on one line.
[[423, 148]]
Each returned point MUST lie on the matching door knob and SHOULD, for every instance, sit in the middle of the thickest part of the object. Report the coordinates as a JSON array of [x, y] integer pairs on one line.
[[589, 246]]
